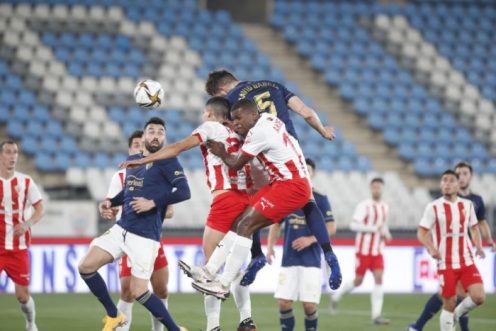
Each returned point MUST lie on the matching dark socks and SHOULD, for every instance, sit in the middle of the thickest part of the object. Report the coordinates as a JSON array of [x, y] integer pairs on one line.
[[316, 224], [97, 286], [432, 306], [256, 246], [157, 308]]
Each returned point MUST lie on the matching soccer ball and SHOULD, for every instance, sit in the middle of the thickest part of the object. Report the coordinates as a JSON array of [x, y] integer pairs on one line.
[[149, 94]]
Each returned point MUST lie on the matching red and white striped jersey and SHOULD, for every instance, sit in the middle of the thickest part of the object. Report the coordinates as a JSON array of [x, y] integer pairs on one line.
[[116, 185], [278, 151], [450, 222], [372, 217], [17, 195], [219, 175]]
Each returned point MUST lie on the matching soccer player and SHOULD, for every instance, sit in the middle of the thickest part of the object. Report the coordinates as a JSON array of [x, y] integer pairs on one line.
[[148, 190], [300, 277], [276, 99], [434, 304], [160, 275], [18, 193], [230, 199], [370, 223], [268, 140], [452, 217]]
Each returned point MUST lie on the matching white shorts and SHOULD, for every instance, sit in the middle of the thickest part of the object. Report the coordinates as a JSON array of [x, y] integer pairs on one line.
[[299, 284], [141, 252]]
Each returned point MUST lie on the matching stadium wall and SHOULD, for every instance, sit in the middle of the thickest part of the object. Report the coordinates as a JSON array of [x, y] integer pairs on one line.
[[408, 267]]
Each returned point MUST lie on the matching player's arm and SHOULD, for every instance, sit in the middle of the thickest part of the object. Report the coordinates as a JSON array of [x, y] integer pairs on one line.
[[20, 228], [235, 162], [298, 106], [274, 232], [166, 152], [476, 238], [424, 236], [486, 233]]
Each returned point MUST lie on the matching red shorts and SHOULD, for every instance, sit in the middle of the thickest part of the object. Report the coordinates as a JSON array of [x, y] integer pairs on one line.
[[160, 262], [16, 265], [277, 200], [368, 262], [449, 278], [225, 208]]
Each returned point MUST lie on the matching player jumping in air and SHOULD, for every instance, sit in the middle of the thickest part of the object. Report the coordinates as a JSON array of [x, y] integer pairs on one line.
[[300, 276], [443, 230], [276, 99], [18, 193], [148, 190], [230, 199], [370, 224], [267, 139]]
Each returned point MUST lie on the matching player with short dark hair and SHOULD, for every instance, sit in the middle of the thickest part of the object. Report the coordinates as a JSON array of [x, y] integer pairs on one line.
[[300, 276], [452, 217], [370, 222], [147, 192], [18, 194], [267, 139], [464, 171]]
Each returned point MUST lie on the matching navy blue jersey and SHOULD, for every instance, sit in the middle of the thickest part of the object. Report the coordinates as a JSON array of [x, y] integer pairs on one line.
[[270, 97], [296, 227], [154, 181], [480, 209]]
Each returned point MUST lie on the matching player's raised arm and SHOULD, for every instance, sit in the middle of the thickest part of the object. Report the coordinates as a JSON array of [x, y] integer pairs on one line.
[[165, 152], [298, 106]]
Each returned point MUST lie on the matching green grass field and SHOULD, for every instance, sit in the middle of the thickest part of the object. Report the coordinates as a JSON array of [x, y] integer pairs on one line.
[[82, 312]]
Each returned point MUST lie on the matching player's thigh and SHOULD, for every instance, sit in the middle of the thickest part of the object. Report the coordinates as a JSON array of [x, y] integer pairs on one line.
[[447, 281], [251, 221], [141, 253], [211, 238], [16, 265], [103, 249], [310, 284], [472, 282], [159, 280], [287, 284], [94, 259], [138, 286]]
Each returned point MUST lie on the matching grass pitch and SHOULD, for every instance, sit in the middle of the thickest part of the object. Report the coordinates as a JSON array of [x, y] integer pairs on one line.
[[82, 312]]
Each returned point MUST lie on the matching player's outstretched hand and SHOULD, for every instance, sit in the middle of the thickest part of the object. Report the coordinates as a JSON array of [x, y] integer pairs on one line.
[[130, 164], [141, 205], [216, 148], [329, 133]]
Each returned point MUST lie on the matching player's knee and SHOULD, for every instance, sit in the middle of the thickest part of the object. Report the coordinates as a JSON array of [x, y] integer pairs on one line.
[[244, 227], [126, 294], [285, 305], [84, 267], [479, 298], [309, 308], [161, 292], [22, 297]]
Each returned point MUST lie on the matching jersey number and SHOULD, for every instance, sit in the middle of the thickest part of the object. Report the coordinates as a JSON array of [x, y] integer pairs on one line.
[[265, 105]]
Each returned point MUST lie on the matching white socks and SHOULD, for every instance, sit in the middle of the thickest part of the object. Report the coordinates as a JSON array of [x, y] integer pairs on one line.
[[212, 310], [376, 300], [239, 253], [446, 321], [29, 311], [127, 309], [241, 296], [220, 253], [464, 307], [345, 288]]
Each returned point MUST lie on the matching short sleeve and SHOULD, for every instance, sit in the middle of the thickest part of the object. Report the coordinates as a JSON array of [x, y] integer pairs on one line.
[[205, 131], [325, 207], [360, 213], [481, 210], [116, 184], [34, 194], [287, 94], [173, 171], [429, 218], [255, 142], [473, 220]]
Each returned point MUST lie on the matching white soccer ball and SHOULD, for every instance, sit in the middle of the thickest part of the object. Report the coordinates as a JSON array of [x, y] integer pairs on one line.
[[149, 94]]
